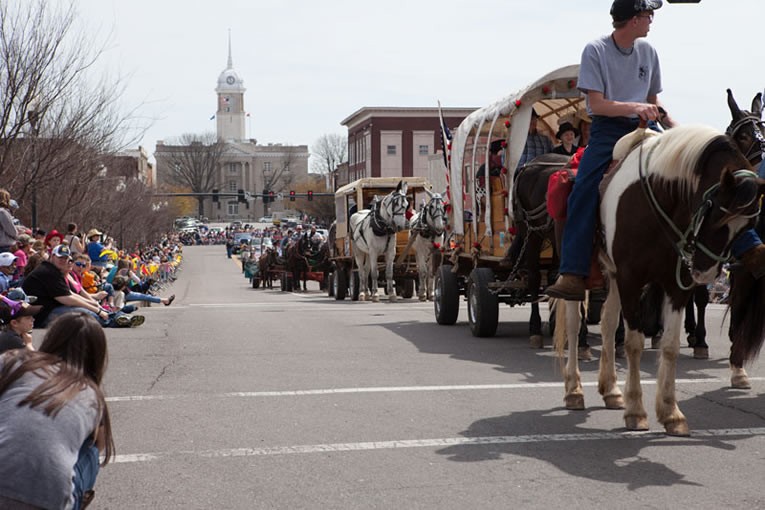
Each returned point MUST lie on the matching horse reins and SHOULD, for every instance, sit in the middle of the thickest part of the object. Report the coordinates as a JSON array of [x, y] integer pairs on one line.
[[757, 147], [378, 224], [687, 242], [422, 226]]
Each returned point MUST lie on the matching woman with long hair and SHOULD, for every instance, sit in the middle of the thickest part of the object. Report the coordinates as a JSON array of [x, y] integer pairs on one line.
[[54, 417], [8, 234]]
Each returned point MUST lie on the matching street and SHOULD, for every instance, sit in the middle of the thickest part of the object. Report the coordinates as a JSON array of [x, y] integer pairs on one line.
[[239, 398]]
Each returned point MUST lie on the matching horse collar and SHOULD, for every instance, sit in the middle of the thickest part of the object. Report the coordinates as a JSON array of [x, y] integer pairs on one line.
[[379, 226]]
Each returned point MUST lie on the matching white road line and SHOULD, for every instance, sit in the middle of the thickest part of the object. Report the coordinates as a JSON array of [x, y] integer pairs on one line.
[[394, 389], [433, 443]]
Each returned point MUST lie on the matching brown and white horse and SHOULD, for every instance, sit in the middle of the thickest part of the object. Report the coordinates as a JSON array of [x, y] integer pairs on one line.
[[669, 214]]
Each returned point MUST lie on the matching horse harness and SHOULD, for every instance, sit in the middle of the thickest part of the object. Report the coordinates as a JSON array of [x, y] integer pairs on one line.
[[422, 226], [379, 226], [687, 241]]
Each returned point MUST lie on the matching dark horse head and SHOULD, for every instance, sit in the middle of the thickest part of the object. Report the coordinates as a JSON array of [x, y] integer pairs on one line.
[[747, 129]]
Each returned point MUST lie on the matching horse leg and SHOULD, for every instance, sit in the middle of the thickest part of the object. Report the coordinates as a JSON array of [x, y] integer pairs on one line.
[[583, 348], [422, 273], [620, 353], [574, 398], [374, 273], [701, 298], [389, 257], [667, 410], [635, 417], [533, 249], [609, 320], [740, 281], [361, 263]]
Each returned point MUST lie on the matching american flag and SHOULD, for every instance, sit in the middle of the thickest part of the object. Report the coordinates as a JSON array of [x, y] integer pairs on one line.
[[446, 137]]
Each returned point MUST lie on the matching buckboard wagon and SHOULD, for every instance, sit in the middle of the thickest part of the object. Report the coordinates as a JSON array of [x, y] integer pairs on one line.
[[484, 214], [358, 195]]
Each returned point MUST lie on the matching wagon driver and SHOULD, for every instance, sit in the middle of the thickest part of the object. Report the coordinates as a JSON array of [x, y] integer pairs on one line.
[[621, 78]]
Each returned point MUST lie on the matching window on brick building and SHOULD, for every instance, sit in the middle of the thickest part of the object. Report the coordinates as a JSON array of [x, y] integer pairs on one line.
[[391, 150], [424, 150]]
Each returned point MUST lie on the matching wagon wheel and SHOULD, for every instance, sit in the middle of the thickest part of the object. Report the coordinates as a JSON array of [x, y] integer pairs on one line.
[[483, 305], [330, 283], [407, 288], [446, 296], [340, 280], [255, 282]]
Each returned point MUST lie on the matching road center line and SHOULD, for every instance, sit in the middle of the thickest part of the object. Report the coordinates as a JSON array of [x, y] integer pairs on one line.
[[435, 443], [395, 389]]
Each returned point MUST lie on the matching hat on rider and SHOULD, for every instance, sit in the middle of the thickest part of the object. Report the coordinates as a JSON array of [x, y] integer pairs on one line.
[[622, 10]]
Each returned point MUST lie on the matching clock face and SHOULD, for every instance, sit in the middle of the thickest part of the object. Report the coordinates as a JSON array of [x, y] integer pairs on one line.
[[230, 80]]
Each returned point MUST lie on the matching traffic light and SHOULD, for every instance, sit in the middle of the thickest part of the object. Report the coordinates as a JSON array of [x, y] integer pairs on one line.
[[240, 196], [271, 196], [215, 196], [265, 196], [292, 196], [310, 195]]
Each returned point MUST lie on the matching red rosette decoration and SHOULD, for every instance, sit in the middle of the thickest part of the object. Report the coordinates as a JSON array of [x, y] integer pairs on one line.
[[477, 245], [448, 227], [506, 211], [517, 103], [437, 246], [571, 84], [505, 193], [504, 143], [448, 208], [512, 231], [546, 90], [504, 171], [507, 123]]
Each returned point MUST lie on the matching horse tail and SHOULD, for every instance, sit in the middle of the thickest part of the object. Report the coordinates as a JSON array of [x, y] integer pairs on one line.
[[747, 322]]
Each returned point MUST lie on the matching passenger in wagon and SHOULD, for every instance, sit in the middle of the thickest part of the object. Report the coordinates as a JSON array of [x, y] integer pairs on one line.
[[621, 77], [567, 134], [536, 143]]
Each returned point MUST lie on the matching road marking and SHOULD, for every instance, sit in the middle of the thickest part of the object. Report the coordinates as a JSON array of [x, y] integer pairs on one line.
[[397, 389], [436, 443]]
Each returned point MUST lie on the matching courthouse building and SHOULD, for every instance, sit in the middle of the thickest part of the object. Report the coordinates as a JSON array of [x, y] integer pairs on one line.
[[244, 164]]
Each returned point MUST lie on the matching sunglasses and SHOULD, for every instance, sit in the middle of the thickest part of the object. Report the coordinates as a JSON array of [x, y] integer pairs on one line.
[[80, 264]]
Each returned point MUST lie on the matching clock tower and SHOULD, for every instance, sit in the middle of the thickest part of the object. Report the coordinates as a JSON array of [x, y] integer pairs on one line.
[[230, 114]]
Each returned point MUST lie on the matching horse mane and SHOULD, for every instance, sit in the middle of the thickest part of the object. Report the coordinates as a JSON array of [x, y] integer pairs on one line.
[[677, 153]]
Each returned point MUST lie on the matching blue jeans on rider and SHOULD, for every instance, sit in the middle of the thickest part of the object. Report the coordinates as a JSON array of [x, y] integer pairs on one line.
[[85, 471], [137, 296], [576, 249], [749, 239]]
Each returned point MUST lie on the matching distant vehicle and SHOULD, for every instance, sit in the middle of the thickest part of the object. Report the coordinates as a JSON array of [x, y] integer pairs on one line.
[[235, 225], [266, 219]]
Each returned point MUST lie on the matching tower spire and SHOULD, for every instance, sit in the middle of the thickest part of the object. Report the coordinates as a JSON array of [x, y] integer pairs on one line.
[[230, 60]]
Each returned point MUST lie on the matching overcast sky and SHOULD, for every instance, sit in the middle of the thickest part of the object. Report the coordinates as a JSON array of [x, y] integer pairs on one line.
[[308, 64]]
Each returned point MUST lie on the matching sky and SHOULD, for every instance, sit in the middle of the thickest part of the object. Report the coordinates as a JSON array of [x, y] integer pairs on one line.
[[309, 64]]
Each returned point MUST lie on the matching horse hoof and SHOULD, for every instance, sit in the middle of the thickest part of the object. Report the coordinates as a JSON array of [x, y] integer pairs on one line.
[[655, 341], [701, 353], [584, 353], [614, 401], [740, 380], [375, 299], [636, 422], [392, 298], [574, 402], [619, 352], [691, 341], [423, 298], [536, 342], [677, 428]]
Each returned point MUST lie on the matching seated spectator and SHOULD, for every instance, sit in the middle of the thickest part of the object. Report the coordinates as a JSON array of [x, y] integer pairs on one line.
[[95, 249], [72, 238], [74, 280], [8, 234], [120, 283], [48, 282], [567, 133], [7, 269], [23, 251], [32, 262], [53, 239], [55, 417], [16, 323]]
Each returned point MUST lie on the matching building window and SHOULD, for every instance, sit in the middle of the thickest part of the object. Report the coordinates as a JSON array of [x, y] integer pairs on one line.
[[391, 150], [424, 150], [266, 166], [232, 168], [232, 186], [233, 208]]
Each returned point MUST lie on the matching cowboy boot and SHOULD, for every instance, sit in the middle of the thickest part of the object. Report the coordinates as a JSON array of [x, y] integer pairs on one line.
[[754, 260], [570, 287]]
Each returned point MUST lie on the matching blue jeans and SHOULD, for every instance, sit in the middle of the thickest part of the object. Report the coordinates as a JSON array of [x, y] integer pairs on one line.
[[578, 235], [85, 471], [61, 310], [137, 296]]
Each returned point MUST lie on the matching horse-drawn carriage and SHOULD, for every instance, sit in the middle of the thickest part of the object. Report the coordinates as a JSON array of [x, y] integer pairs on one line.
[[488, 210], [372, 203]]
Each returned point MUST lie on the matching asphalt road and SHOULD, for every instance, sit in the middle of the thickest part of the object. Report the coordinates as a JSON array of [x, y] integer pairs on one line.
[[244, 398]]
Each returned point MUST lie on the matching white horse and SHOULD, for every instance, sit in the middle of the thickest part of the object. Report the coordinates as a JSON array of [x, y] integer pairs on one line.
[[374, 232], [428, 225]]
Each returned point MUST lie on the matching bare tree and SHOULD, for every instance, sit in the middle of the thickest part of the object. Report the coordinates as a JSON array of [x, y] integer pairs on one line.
[[193, 163], [280, 178], [56, 119], [328, 151]]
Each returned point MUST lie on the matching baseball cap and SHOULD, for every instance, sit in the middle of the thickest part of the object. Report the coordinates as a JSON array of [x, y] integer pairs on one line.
[[622, 10], [62, 250], [10, 310], [6, 259]]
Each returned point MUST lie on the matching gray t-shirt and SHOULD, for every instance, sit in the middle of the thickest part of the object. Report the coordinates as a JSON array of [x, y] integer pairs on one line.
[[619, 77], [39, 451]]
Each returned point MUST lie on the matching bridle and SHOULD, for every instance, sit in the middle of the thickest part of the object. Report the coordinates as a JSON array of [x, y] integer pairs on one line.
[[687, 242], [757, 147], [433, 209]]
